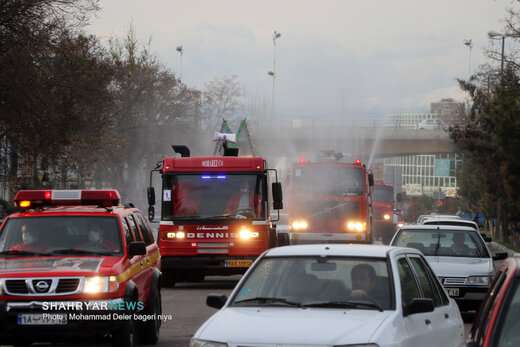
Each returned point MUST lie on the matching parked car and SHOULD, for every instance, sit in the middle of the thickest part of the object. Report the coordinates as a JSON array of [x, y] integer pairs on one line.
[[498, 322], [335, 295], [458, 256]]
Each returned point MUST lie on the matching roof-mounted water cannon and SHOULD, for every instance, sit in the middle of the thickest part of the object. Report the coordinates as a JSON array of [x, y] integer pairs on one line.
[[184, 151]]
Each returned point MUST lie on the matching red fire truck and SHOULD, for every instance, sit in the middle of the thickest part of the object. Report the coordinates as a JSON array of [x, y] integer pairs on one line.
[[329, 201], [215, 215], [383, 206]]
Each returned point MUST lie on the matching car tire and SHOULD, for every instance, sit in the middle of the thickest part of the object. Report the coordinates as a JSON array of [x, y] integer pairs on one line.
[[125, 337], [149, 331]]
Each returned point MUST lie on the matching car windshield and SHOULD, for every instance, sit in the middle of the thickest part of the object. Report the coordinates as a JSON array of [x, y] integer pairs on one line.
[[238, 196], [75, 235], [332, 282], [327, 179], [383, 194], [507, 335], [447, 243]]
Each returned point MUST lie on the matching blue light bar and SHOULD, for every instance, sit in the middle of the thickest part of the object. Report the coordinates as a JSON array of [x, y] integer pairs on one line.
[[220, 177]]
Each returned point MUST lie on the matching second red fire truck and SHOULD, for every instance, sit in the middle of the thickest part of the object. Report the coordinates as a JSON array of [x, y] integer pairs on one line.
[[215, 214], [329, 201]]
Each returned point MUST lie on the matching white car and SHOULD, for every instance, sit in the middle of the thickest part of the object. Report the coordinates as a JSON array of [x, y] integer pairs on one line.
[[458, 256], [423, 217], [335, 295]]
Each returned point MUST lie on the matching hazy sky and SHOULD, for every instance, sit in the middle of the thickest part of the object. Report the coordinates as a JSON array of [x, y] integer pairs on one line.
[[361, 58]]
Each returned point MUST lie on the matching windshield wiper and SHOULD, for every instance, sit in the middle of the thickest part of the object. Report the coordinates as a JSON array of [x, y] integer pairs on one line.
[[345, 304], [261, 299], [219, 216], [79, 251], [20, 252]]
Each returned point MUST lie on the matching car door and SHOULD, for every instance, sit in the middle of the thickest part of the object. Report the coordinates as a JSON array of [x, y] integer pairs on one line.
[[418, 331], [443, 319], [138, 261], [152, 251]]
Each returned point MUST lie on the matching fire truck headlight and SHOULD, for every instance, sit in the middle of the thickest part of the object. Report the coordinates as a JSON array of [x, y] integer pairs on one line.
[[356, 226], [176, 235], [95, 285], [300, 224], [386, 216], [246, 234]]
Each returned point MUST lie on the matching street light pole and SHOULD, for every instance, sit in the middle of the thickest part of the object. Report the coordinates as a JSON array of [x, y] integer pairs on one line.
[[180, 50], [469, 44], [272, 73]]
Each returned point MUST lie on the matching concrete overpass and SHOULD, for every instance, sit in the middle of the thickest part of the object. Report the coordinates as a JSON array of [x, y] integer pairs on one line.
[[366, 139]]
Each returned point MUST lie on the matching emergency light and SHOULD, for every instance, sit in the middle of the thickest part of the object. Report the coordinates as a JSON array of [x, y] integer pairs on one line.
[[40, 198]]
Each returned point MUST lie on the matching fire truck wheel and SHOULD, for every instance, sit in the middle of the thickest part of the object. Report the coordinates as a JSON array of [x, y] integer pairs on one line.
[[168, 280], [149, 330], [283, 239], [125, 337]]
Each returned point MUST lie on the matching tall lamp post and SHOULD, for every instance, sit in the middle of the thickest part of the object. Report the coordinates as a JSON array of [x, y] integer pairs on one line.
[[493, 35], [180, 50], [272, 73], [469, 44]]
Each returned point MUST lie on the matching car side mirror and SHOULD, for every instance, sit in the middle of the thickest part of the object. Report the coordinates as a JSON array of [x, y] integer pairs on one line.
[[277, 196], [370, 179], [500, 256], [216, 301], [418, 305], [136, 248], [151, 196]]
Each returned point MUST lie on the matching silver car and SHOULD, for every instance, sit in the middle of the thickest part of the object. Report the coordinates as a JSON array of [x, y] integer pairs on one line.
[[458, 256]]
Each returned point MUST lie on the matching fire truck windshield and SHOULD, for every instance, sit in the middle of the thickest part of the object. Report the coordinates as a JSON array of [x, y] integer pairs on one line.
[[383, 194], [74, 235], [219, 196], [336, 180]]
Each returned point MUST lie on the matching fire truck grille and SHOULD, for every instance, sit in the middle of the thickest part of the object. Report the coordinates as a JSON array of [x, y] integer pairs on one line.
[[67, 285], [16, 286]]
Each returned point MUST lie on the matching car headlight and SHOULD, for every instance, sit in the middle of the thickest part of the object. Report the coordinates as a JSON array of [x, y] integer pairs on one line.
[[300, 224], [356, 226], [204, 343], [100, 284], [246, 234], [478, 280]]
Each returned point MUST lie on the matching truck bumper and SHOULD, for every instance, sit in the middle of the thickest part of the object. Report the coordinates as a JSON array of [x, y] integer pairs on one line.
[[87, 324], [207, 265]]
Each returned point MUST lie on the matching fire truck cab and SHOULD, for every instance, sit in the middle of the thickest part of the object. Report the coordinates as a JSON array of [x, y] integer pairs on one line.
[[329, 201], [77, 265], [215, 215]]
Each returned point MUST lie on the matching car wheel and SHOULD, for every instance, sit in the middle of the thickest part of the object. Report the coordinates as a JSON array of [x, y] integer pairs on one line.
[[125, 337], [149, 330]]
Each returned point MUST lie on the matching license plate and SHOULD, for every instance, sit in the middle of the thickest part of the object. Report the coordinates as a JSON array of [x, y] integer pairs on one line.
[[453, 291], [238, 263], [42, 319]]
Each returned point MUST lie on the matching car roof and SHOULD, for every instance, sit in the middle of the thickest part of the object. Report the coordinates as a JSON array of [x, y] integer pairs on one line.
[[74, 210], [435, 227], [348, 250], [446, 219]]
